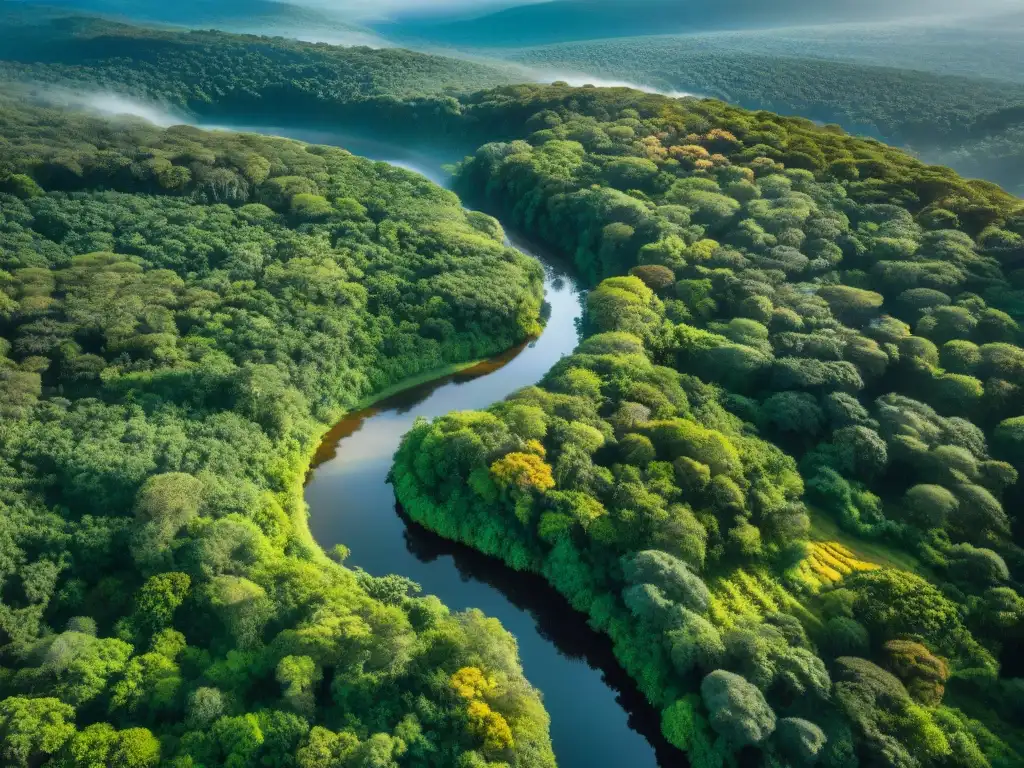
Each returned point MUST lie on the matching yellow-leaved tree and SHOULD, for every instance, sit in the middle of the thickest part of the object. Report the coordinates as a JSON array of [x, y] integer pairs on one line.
[[486, 724], [522, 471]]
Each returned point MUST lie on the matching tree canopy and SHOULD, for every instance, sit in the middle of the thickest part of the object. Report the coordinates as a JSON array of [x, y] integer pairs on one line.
[[836, 349], [183, 314]]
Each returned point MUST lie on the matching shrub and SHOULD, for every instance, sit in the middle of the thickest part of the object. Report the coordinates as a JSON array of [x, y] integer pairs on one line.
[[893, 603], [923, 673], [1008, 441], [846, 637], [976, 567], [21, 186], [696, 644], [853, 306], [929, 506], [671, 575]]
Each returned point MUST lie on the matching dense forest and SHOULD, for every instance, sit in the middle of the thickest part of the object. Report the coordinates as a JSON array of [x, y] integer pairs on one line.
[[982, 48], [975, 124], [212, 73], [781, 472], [972, 122], [181, 316], [788, 448]]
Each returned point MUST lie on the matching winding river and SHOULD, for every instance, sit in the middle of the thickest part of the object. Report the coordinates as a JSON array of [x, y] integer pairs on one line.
[[598, 717]]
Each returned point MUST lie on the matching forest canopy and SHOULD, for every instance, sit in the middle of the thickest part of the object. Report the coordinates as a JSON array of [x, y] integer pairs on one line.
[[972, 121], [781, 471], [182, 314]]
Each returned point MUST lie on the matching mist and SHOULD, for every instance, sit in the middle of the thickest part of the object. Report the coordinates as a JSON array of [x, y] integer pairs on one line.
[[379, 10], [577, 80], [313, 34], [108, 104], [367, 10]]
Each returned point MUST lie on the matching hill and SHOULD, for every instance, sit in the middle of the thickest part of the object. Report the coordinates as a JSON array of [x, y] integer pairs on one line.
[[971, 123], [182, 315], [569, 20], [197, 69], [975, 48], [266, 17]]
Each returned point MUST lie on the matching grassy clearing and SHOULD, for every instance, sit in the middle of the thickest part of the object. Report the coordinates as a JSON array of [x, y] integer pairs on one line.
[[832, 555], [828, 562], [823, 529]]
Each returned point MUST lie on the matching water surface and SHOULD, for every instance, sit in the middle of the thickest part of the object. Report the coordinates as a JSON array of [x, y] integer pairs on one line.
[[598, 718]]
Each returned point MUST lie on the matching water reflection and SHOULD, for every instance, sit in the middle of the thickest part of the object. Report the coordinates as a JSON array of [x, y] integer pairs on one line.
[[556, 621], [405, 401], [598, 718]]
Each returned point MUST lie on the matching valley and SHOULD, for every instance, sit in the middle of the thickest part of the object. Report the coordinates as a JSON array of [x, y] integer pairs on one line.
[[365, 407]]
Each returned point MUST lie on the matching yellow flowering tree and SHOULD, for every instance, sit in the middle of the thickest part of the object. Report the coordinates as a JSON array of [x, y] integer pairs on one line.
[[472, 683], [491, 727], [522, 471]]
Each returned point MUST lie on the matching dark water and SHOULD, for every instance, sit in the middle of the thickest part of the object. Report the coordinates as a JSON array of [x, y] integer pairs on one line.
[[598, 718]]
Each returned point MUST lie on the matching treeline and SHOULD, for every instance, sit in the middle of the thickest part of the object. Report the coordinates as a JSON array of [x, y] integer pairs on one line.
[[181, 314], [971, 123], [213, 73], [782, 470]]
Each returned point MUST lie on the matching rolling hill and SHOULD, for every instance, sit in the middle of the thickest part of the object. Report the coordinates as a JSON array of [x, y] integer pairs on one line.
[[565, 20]]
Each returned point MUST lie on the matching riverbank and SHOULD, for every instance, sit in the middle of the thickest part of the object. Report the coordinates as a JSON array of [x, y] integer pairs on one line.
[[350, 503], [327, 438]]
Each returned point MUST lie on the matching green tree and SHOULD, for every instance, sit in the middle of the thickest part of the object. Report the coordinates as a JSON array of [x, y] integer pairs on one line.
[[736, 709], [158, 599], [298, 676], [33, 729], [800, 740]]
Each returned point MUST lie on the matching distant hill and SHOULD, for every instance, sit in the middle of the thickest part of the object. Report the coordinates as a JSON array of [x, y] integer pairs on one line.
[[568, 20], [189, 70], [977, 50], [970, 122], [266, 17]]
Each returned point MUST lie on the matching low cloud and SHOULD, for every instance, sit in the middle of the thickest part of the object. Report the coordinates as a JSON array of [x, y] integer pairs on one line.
[[379, 10], [577, 79], [315, 32], [108, 104]]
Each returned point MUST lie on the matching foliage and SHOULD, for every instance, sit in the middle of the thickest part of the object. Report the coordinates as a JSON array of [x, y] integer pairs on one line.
[[182, 314], [967, 119], [787, 373], [93, 53], [737, 710], [840, 337]]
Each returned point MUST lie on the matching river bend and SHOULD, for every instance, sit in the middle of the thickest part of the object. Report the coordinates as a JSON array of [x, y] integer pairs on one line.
[[598, 718]]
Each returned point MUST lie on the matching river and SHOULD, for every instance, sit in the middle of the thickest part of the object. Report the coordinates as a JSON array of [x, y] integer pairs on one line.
[[598, 717]]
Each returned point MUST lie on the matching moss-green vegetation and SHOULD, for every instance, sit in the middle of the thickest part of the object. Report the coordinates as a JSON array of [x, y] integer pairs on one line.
[[782, 315], [219, 73], [876, 551], [970, 122], [180, 314]]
